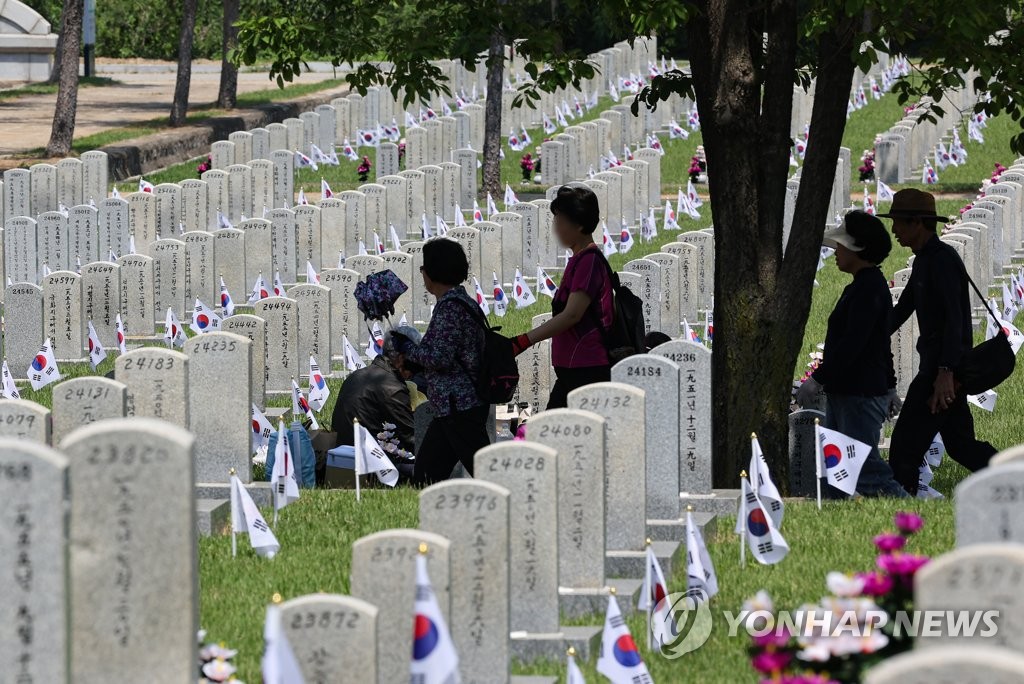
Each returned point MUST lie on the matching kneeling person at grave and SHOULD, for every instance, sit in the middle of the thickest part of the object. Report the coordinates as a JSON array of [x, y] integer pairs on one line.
[[856, 371], [379, 393]]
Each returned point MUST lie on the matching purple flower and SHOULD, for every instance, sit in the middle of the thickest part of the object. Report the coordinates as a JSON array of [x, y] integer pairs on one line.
[[889, 542], [775, 639], [908, 523], [875, 583], [770, 662], [903, 565]]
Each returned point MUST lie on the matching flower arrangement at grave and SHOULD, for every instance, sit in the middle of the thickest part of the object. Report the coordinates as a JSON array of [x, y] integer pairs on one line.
[[855, 634], [215, 663], [867, 166], [389, 442], [204, 166], [998, 172], [695, 168], [364, 169], [816, 358], [526, 164], [401, 151]]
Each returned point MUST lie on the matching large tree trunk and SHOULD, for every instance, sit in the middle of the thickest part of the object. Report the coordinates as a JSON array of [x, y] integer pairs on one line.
[[762, 301], [228, 92], [179, 107], [492, 113], [63, 129]]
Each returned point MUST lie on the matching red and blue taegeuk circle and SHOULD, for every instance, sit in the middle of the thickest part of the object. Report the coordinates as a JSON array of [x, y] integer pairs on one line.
[[424, 637]]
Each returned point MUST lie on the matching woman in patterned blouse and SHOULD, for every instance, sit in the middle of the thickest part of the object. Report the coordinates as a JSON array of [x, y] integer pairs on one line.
[[450, 355]]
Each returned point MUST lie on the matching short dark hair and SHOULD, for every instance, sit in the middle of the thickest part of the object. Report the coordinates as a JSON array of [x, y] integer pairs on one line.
[[655, 338], [869, 232], [445, 261], [578, 203]]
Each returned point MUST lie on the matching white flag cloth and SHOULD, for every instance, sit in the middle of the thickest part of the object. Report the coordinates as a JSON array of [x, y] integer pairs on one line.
[[500, 300], [1015, 336], [352, 360], [325, 190], [425, 230], [986, 400], [761, 481], [669, 220], [688, 333], [144, 186], [842, 457], [481, 301], [223, 222], [652, 598], [318, 389], [301, 407], [173, 333], [620, 659], [434, 660], [607, 244], [572, 672], [9, 389], [545, 285], [97, 353], [375, 347], [625, 240], [396, 244], [227, 305], [204, 320], [286, 487], [492, 208], [700, 573], [261, 429], [510, 197], [478, 215], [304, 162], [278, 285], [460, 219], [521, 291], [378, 244], [259, 290], [370, 458], [440, 226], [119, 328], [883, 191], [246, 519], [311, 275], [765, 541], [691, 193], [279, 666]]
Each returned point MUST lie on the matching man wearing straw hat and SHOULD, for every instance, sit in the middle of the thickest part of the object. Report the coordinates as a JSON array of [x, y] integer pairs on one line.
[[937, 292]]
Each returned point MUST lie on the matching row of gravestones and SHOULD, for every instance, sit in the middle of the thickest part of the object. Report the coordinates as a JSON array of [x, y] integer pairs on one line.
[[839, 200], [506, 524], [899, 151], [979, 582]]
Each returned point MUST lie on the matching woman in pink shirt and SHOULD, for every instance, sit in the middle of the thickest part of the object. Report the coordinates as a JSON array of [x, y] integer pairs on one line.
[[582, 311]]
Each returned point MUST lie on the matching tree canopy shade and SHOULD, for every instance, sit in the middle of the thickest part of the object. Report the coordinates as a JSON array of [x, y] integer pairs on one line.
[[745, 58]]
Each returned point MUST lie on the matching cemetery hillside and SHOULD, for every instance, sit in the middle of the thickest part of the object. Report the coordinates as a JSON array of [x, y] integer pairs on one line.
[[246, 434]]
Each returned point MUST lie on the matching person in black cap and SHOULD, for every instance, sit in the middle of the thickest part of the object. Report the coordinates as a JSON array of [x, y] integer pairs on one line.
[[937, 291], [856, 369]]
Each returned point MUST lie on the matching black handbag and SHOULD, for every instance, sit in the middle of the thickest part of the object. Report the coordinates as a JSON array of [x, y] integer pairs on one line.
[[989, 363]]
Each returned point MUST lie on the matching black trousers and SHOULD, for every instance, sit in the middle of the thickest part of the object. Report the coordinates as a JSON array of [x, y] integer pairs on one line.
[[449, 440], [917, 426], [568, 379]]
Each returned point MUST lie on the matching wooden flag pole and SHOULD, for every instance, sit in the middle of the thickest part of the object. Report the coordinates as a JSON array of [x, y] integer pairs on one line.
[[234, 539], [648, 586], [358, 449]]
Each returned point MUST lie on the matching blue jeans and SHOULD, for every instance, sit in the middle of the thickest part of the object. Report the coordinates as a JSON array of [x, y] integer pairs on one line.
[[861, 418]]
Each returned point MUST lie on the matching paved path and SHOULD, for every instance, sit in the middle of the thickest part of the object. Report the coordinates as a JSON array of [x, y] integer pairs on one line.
[[141, 95]]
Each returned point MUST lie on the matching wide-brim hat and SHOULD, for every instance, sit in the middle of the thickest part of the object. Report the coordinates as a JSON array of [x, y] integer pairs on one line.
[[913, 203]]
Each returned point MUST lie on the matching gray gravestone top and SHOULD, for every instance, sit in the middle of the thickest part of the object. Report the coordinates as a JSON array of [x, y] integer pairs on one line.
[[981, 577], [85, 400], [34, 595], [990, 505], [951, 665], [334, 637], [392, 553], [22, 419], [579, 439], [157, 382], [529, 471], [474, 515], [133, 516], [1011, 455], [658, 377], [622, 407]]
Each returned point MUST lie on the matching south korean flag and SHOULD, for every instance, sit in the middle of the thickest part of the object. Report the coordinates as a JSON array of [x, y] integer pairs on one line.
[[764, 540], [843, 457]]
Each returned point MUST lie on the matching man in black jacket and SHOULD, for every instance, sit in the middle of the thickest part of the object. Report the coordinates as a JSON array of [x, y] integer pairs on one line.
[[938, 292], [376, 395], [856, 369]]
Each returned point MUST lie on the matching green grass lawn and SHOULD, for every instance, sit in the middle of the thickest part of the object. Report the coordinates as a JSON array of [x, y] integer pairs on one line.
[[316, 532]]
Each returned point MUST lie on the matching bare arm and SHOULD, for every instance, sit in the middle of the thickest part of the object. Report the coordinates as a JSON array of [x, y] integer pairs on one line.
[[575, 310]]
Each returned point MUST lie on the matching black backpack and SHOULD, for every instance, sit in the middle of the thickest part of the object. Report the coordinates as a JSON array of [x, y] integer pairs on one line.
[[626, 336], [498, 377]]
